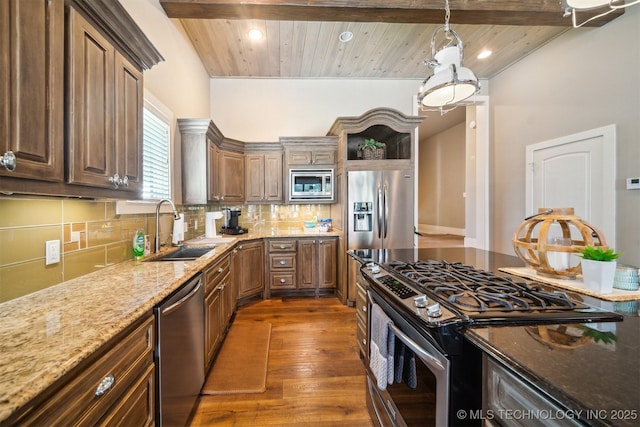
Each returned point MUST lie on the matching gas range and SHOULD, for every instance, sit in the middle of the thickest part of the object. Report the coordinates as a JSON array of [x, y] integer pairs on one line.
[[440, 293]]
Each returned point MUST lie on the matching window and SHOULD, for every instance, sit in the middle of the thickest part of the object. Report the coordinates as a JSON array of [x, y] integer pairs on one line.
[[156, 153]]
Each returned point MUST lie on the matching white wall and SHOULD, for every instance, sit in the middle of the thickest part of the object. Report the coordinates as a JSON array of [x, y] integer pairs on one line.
[[180, 81], [584, 79], [261, 110], [441, 182]]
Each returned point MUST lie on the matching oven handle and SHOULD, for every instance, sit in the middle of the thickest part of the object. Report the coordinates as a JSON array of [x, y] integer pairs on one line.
[[432, 361]]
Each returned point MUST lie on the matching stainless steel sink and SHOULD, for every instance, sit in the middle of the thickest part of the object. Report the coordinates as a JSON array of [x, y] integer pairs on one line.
[[183, 254]]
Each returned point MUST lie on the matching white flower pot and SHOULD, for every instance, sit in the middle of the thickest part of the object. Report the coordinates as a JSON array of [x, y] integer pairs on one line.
[[598, 275]]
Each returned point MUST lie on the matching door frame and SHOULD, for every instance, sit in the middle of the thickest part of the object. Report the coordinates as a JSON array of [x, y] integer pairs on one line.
[[608, 198], [477, 188]]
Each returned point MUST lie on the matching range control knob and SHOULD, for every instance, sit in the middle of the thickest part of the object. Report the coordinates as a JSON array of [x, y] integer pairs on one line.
[[420, 301], [434, 310]]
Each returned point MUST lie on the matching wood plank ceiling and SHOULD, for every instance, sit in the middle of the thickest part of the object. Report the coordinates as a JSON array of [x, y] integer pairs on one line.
[[391, 39]]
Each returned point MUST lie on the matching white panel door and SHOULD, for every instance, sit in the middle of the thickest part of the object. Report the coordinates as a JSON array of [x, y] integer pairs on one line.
[[576, 171]]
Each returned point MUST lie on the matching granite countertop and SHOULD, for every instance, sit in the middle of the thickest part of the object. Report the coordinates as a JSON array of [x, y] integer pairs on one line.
[[600, 379], [45, 334]]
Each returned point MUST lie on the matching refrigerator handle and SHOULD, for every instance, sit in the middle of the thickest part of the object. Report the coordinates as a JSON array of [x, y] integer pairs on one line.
[[386, 210], [379, 211]]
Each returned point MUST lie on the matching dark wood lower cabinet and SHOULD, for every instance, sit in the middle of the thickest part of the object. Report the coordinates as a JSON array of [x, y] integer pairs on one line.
[[302, 265], [124, 366], [250, 271]]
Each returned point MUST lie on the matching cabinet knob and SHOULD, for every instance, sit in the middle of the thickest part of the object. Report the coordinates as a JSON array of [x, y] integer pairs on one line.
[[282, 246], [364, 341], [8, 160], [364, 308], [105, 385], [282, 262], [220, 270], [282, 280]]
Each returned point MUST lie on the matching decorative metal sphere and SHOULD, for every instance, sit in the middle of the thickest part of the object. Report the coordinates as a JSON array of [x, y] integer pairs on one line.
[[549, 252]]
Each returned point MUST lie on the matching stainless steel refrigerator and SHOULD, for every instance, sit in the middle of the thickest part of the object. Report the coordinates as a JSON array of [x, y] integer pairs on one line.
[[380, 213]]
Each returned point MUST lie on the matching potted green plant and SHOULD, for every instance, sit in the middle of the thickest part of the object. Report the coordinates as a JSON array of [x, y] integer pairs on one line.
[[598, 268], [372, 149]]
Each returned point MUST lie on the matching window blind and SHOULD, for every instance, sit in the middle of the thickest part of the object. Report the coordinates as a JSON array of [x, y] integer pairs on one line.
[[155, 164]]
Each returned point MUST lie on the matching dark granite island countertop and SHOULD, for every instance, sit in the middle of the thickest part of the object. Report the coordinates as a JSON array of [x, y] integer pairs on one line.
[[600, 379]]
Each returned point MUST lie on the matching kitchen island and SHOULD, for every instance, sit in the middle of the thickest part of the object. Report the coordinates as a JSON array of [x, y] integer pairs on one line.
[[47, 335], [590, 376]]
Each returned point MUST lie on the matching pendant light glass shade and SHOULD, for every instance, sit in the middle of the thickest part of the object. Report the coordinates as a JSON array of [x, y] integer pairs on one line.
[[450, 82]]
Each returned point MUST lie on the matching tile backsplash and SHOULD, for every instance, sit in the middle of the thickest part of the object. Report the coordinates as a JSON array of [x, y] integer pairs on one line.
[[93, 236]]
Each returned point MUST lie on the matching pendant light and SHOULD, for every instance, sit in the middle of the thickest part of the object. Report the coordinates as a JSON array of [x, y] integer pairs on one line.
[[574, 6], [450, 82]]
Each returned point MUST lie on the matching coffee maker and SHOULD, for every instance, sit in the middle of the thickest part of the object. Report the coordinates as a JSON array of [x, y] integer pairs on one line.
[[230, 224]]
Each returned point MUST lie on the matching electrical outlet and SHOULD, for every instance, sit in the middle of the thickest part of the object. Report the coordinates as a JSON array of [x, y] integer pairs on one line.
[[52, 252]]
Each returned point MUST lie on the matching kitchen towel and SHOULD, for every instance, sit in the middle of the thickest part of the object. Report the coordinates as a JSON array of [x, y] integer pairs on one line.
[[382, 340], [178, 230], [405, 365]]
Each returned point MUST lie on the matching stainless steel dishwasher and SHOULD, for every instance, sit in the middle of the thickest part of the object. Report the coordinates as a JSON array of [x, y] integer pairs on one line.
[[180, 353]]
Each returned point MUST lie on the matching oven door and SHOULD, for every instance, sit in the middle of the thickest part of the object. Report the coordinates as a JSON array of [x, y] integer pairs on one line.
[[422, 400]]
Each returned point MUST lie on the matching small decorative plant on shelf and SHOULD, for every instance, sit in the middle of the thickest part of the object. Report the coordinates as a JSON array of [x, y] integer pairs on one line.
[[598, 253], [598, 268], [372, 149]]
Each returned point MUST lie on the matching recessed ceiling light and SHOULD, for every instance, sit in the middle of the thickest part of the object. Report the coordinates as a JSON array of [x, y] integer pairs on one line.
[[345, 36], [255, 34], [484, 54]]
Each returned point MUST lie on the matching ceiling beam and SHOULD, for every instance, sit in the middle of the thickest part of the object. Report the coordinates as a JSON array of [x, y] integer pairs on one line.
[[472, 12]]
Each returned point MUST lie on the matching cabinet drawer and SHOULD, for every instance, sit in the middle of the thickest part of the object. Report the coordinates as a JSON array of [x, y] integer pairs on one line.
[[324, 157], [283, 281], [76, 401], [282, 261], [299, 157], [282, 245], [216, 273]]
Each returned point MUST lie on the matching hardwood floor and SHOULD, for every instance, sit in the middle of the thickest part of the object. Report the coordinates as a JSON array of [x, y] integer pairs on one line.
[[314, 376]]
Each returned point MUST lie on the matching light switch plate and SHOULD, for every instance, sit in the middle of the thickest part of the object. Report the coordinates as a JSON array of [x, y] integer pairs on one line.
[[52, 252]]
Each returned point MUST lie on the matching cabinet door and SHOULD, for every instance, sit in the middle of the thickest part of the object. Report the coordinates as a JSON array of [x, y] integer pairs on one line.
[[32, 87], [213, 171], [231, 177], [273, 177], [327, 263], [307, 263], [251, 269], [213, 324], [255, 177], [91, 108], [128, 125]]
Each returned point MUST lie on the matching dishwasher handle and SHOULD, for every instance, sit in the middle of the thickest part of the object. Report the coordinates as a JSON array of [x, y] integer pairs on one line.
[[176, 305]]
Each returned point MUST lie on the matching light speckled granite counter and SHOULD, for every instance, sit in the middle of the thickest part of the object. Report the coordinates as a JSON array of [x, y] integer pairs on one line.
[[45, 334]]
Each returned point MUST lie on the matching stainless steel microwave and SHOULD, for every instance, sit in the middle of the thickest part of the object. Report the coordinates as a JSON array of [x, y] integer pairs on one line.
[[310, 184]]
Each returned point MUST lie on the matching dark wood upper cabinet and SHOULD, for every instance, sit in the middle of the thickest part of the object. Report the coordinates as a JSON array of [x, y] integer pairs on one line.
[[71, 97], [32, 87]]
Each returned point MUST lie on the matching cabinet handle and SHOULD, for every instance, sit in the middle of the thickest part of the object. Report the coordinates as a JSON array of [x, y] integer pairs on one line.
[[240, 247], [282, 246], [8, 160], [364, 341], [282, 280], [105, 385], [220, 270], [117, 181], [364, 308], [282, 262], [320, 241]]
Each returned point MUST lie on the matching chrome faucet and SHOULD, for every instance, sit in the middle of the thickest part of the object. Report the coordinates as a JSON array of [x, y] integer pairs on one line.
[[175, 216]]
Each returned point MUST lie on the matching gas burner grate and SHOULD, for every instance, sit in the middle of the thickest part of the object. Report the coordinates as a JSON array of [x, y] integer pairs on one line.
[[473, 290]]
